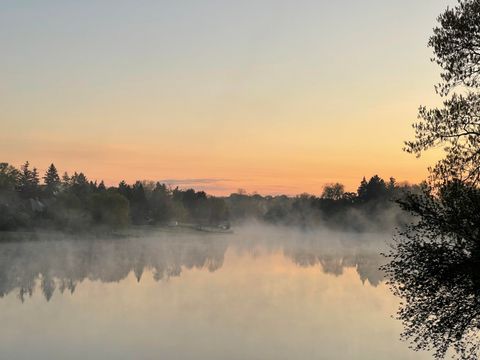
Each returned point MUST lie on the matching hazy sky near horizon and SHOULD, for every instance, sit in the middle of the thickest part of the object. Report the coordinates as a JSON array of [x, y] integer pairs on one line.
[[270, 96]]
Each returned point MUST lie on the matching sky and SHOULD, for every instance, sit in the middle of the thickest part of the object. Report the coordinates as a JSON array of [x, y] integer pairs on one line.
[[270, 96]]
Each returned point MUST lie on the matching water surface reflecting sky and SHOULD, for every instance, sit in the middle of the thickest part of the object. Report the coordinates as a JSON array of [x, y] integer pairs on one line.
[[252, 295]]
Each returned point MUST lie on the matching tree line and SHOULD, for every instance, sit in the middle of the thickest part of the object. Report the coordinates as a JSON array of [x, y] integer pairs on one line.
[[75, 203], [371, 208]]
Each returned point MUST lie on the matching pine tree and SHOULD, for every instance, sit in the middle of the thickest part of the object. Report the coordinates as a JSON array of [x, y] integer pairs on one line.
[[101, 187], [138, 203], [362, 189], [35, 179], [125, 190], [79, 184], [51, 180], [392, 185], [28, 181]]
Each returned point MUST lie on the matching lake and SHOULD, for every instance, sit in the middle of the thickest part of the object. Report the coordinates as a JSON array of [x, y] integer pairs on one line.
[[260, 293]]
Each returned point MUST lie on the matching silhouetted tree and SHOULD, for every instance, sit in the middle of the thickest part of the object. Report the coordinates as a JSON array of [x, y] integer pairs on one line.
[[93, 187], [138, 204], [160, 204], [10, 206], [66, 180], [125, 189], [374, 189], [79, 185], [435, 268], [456, 126], [51, 180], [28, 181], [392, 185], [435, 264], [101, 187], [333, 191], [9, 177], [456, 47], [362, 189]]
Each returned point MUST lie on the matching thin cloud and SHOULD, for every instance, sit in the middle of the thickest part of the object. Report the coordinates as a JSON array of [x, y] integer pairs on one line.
[[192, 181]]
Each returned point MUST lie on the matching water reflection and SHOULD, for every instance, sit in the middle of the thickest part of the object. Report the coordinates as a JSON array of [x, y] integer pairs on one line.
[[366, 263], [256, 294], [440, 285], [60, 265]]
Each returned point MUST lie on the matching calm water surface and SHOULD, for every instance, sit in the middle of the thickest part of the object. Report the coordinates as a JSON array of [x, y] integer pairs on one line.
[[256, 294]]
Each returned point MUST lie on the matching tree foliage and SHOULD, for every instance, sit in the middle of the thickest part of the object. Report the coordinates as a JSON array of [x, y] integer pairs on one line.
[[435, 268], [51, 179], [455, 126], [75, 203], [435, 263], [456, 46], [333, 191]]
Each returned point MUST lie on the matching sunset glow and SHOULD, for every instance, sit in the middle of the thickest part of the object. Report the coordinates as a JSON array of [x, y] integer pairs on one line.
[[274, 97]]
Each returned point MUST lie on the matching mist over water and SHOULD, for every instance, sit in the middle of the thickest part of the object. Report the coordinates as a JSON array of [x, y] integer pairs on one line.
[[262, 292]]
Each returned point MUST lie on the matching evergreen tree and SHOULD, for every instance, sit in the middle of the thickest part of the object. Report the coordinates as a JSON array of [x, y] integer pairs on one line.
[[392, 185], [79, 184], [125, 190], [28, 181], [66, 181], [362, 189], [376, 188], [101, 187], [93, 186], [138, 203], [51, 180]]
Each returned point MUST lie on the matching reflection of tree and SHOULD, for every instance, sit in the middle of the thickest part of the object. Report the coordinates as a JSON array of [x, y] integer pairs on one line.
[[367, 264], [311, 249], [61, 265]]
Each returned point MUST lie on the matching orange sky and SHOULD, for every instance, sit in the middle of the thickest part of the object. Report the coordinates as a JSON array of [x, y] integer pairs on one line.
[[273, 97]]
